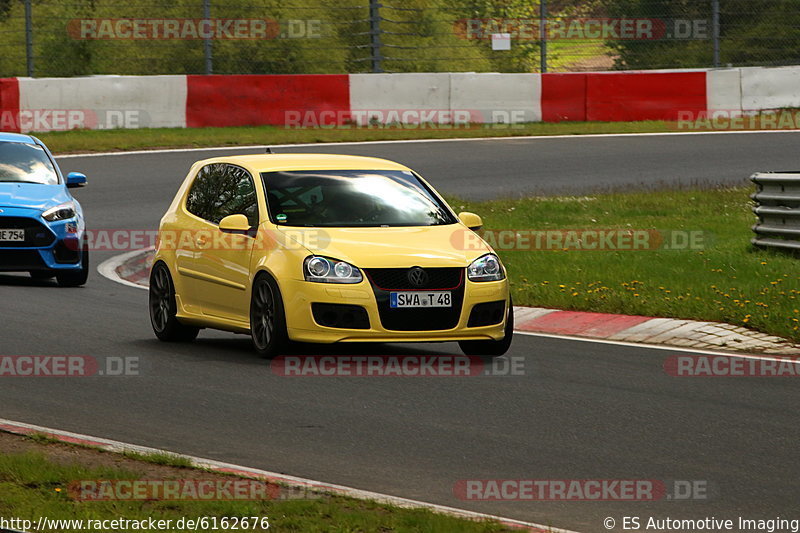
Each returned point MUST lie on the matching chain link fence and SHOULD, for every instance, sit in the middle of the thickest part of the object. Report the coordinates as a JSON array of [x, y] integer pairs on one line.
[[85, 37]]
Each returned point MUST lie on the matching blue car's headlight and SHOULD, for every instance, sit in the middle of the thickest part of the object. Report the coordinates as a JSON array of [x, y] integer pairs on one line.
[[60, 212], [486, 268], [326, 270]]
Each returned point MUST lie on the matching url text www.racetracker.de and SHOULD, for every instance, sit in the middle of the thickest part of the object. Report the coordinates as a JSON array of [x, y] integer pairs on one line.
[[201, 523]]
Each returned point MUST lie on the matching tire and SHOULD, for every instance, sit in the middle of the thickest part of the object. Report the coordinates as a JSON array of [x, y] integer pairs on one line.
[[41, 274], [492, 348], [267, 318], [163, 308], [75, 278]]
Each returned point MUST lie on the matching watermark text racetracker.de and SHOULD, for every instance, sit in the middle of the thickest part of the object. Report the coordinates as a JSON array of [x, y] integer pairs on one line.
[[724, 366], [626, 490], [95, 490], [43, 120], [737, 120], [406, 119], [594, 239], [581, 28], [101, 240], [401, 366], [68, 366], [193, 29]]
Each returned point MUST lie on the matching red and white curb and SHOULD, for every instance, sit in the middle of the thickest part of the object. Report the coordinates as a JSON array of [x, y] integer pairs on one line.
[[691, 334], [20, 428], [131, 269]]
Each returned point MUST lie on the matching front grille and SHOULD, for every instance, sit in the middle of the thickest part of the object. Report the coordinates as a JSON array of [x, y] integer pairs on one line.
[[340, 316], [386, 280], [397, 278], [16, 260], [37, 235], [486, 314]]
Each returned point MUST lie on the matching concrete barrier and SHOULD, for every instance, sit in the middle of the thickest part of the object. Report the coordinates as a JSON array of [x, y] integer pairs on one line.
[[498, 98], [770, 88], [563, 97], [724, 90], [623, 96], [303, 100], [9, 105], [102, 102], [376, 97], [332, 100]]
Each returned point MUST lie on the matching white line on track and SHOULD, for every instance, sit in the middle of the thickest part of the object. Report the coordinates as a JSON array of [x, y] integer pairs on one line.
[[417, 141], [303, 483], [666, 347]]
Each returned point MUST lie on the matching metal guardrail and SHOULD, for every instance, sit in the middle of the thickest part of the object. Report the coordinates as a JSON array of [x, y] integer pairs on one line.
[[778, 209]]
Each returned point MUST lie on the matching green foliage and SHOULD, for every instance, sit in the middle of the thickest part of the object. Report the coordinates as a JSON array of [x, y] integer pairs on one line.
[[306, 36], [309, 36], [752, 32], [724, 280]]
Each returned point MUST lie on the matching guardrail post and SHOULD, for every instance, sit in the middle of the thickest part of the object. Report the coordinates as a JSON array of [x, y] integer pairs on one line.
[[375, 34], [715, 30], [543, 35], [207, 50], [29, 37]]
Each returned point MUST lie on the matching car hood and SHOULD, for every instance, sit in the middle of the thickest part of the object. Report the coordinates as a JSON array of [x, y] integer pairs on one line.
[[430, 246], [32, 195]]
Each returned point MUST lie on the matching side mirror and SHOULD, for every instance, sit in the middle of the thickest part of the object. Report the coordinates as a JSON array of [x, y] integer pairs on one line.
[[470, 220], [76, 179], [234, 224]]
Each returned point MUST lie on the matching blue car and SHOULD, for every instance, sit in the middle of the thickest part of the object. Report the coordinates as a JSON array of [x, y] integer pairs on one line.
[[41, 224]]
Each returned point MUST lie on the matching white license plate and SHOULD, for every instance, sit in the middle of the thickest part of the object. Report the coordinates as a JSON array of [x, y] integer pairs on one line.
[[12, 235], [420, 299]]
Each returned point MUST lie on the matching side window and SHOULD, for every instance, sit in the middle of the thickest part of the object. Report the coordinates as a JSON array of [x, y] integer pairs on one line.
[[199, 202], [220, 190]]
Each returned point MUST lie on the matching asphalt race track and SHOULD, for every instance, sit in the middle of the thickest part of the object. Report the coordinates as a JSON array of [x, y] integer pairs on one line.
[[581, 411]]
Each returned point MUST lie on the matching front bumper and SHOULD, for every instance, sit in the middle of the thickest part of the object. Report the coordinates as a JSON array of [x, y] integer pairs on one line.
[[299, 296], [47, 246]]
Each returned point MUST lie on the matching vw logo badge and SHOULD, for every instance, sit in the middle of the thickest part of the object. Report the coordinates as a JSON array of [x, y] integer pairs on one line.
[[417, 277]]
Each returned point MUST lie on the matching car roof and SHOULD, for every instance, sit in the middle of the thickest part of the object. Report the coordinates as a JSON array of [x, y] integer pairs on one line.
[[16, 138], [274, 162]]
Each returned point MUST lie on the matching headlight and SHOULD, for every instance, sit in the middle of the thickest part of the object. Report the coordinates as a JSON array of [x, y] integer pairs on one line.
[[486, 268], [326, 270], [60, 212]]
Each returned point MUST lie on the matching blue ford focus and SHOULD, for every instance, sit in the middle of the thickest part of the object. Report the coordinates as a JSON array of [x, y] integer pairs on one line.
[[41, 224]]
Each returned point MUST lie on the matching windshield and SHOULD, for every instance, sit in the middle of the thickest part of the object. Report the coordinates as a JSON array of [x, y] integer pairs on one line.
[[21, 162], [352, 198]]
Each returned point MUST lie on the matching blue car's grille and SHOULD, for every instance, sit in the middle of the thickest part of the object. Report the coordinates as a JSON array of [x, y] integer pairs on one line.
[[37, 235], [16, 260]]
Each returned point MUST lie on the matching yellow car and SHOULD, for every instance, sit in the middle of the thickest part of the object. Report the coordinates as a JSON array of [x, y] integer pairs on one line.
[[324, 248]]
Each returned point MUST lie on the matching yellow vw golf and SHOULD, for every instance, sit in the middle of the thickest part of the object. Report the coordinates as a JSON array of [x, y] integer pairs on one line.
[[324, 248]]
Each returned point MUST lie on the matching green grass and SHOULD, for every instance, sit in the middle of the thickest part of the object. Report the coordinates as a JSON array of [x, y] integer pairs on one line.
[[140, 139], [166, 459], [728, 281], [32, 486], [42, 438]]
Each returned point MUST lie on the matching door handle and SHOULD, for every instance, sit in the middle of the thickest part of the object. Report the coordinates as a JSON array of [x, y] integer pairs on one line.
[[201, 240]]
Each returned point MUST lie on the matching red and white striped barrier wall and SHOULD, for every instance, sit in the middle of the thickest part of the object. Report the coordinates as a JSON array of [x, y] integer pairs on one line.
[[340, 100]]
